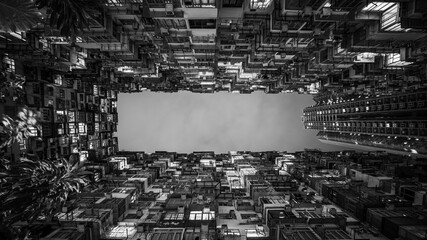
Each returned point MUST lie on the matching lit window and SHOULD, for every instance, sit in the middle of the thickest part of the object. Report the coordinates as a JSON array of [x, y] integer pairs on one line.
[[95, 90], [260, 4], [10, 64], [174, 216], [64, 141], [115, 3], [71, 128], [58, 79], [82, 128], [199, 3], [389, 19], [23, 144], [199, 215], [71, 116], [33, 131]]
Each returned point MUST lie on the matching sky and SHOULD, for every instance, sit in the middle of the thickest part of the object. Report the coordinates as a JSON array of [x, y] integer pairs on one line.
[[221, 122]]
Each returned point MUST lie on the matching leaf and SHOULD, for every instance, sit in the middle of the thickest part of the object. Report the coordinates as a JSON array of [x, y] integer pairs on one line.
[[18, 15], [70, 16]]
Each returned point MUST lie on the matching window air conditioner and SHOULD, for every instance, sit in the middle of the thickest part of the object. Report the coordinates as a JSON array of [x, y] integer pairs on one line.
[[285, 28], [326, 12], [308, 11], [317, 32]]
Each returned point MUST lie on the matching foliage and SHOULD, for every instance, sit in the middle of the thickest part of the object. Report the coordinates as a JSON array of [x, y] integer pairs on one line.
[[69, 16], [11, 85], [15, 130], [37, 187], [32, 187], [18, 15]]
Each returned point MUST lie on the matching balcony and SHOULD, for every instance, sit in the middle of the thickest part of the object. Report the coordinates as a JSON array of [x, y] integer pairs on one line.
[[163, 3], [166, 14], [114, 47], [200, 3]]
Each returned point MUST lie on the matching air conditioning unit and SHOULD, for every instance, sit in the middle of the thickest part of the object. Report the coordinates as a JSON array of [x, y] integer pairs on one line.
[[81, 228], [326, 12], [181, 209], [308, 11], [285, 28], [64, 209], [164, 31]]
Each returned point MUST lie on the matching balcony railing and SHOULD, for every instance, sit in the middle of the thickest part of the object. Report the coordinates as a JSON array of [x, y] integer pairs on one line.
[[115, 47]]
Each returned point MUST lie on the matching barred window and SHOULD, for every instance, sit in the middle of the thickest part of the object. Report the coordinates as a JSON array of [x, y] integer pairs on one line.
[[174, 217]]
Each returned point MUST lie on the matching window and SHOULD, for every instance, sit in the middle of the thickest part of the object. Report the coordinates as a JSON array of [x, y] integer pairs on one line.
[[64, 141], [65, 150], [95, 90], [58, 79], [260, 4], [36, 88], [23, 144], [199, 3], [199, 215], [393, 58], [202, 23], [174, 217], [10, 64], [60, 131], [71, 116], [82, 127], [89, 117], [45, 114], [389, 20], [71, 128], [61, 93], [115, 3], [231, 3], [37, 101]]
